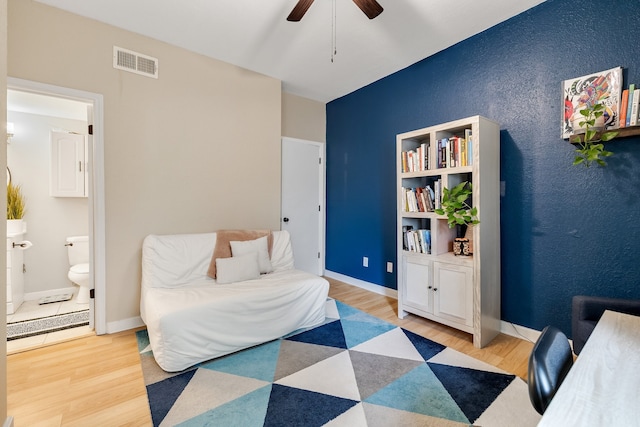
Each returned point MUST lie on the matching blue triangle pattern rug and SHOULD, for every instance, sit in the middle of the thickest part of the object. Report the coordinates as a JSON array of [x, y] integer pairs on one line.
[[353, 370]]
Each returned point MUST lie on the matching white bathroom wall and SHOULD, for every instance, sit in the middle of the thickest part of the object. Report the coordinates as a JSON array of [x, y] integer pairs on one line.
[[49, 219]]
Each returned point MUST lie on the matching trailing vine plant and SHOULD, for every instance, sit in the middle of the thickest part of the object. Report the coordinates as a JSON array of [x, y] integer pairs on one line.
[[590, 148]]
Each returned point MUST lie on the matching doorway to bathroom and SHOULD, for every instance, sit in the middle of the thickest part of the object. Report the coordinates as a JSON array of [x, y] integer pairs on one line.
[[42, 114]]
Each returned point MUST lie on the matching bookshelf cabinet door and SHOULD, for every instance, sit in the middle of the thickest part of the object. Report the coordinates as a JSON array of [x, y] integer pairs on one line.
[[418, 289], [453, 292]]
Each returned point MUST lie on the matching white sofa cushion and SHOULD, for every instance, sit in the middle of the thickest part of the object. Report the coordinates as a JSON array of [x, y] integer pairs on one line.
[[177, 260], [258, 246], [281, 252]]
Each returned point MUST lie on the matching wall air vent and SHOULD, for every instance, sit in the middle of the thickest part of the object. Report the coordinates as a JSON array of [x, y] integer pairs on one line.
[[135, 62]]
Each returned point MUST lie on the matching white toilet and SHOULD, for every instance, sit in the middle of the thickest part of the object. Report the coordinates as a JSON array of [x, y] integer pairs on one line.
[[78, 251]]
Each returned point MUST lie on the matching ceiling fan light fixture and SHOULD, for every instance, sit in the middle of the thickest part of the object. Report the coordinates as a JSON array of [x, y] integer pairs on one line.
[[299, 10], [371, 8]]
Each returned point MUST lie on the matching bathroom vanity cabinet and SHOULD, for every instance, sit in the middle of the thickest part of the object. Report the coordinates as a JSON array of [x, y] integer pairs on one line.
[[15, 272]]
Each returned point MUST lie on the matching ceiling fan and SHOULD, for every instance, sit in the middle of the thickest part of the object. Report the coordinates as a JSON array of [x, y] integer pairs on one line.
[[371, 8]]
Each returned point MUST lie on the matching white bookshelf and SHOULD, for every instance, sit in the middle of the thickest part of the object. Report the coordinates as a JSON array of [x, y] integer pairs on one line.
[[459, 291]]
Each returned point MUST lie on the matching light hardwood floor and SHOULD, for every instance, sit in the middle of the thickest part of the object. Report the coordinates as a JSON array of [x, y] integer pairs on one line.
[[97, 380]]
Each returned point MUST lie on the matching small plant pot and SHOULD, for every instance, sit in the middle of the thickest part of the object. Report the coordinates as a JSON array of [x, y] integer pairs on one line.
[[461, 230], [15, 226], [576, 119]]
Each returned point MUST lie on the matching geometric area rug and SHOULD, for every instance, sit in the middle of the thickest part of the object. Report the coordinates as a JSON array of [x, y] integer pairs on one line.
[[353, 370]]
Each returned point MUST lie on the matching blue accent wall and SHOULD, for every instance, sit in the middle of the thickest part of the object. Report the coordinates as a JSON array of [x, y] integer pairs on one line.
[[566, 230]]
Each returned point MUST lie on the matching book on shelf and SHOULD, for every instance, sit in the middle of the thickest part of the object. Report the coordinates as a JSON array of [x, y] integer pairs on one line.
[[441, 159], [430, 196], [635, 108], [418, 241], [454, 151], [405, 241], [437, 194], [417, 199], [417, 159], [468, 136], [624, 103], [420, 199], [632, 88]]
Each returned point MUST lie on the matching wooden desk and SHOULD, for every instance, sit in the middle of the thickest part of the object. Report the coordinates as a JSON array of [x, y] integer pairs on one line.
[[603, 386]]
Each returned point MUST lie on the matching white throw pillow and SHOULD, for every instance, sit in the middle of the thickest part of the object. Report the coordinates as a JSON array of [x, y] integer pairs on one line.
[[237, 268], [259, 246]]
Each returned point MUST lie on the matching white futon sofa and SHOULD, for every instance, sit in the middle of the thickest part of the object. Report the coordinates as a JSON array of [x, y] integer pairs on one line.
[[192, 318]]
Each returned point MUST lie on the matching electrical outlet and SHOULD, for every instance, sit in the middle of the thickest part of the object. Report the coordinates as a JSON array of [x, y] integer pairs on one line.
[[365, 261], [389, 267]]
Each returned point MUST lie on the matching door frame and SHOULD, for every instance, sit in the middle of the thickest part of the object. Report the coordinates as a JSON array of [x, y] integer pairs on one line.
[[321, 192], [97, 235]]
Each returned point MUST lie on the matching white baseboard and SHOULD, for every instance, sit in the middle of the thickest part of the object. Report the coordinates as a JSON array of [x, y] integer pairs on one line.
[[31, 296], [381, 290], [124, 325], [8, 422], [506, 328], [518, 331]]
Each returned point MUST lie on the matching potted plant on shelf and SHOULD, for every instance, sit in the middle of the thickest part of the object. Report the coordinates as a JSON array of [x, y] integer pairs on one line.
[[459, 215], [590, 148], [15, 208]]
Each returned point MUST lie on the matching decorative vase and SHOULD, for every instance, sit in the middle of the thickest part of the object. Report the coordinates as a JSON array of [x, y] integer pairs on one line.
[[15, 226], [577, 118], [468, 247], [459, 245]]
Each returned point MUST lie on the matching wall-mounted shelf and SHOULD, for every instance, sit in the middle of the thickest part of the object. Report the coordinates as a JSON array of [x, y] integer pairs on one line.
[[622, 133]]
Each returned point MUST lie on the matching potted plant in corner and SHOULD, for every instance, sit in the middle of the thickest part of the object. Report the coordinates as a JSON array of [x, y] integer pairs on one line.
[[459, 215], [590, 148], [15, 208]]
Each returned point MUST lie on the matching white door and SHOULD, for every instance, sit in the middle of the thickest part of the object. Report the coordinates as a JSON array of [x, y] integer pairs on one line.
[[89, 181], [303, 202]]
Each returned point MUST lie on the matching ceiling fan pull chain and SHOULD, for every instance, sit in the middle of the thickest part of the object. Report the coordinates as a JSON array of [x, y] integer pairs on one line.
[[334, 49]]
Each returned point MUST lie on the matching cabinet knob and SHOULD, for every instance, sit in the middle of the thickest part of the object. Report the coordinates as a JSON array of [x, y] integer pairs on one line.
[[435, 289], [285, 219], [430, 287]]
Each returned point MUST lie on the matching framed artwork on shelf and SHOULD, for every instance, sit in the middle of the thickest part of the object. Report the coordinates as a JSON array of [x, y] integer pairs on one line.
[[598, 88]]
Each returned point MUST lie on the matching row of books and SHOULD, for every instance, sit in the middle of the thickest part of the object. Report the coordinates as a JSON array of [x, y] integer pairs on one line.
[[422, 199], [416, 160], [630, 107], [451, 152], [417, 240], [455, 151]]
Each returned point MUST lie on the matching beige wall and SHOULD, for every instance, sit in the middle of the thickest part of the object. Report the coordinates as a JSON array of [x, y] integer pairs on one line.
[[3, 207], [196, 150], [303, 118]]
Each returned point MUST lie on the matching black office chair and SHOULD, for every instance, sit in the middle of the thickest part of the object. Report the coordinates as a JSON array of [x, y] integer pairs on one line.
[[587, 310], [549, 362]]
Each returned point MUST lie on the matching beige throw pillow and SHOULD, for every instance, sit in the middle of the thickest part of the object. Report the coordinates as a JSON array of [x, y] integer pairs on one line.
[[222, 248]]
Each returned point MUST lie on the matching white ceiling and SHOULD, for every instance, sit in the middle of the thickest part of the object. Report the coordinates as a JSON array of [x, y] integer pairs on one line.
[[255, 34], [45, 105]]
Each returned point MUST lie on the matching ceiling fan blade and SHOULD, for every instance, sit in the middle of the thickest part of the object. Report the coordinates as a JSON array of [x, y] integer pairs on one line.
[[299, 10], [371, 8]]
